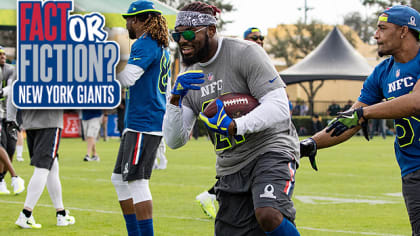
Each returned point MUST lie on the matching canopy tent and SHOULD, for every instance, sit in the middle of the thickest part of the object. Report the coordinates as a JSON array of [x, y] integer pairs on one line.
[[333, 59], [111, 9]]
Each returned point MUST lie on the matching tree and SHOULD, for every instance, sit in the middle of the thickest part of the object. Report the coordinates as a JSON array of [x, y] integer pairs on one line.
[[299, 41], [224, 7], [366, 26]]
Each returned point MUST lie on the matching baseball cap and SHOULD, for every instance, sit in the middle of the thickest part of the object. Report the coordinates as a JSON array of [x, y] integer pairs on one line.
[[403, 16], [251, 30], [140, 6]]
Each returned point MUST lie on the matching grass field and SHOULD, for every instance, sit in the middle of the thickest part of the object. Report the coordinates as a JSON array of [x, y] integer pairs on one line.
[[357, 191]]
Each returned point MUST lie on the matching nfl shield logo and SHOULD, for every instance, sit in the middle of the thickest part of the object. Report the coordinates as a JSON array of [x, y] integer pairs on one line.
[[398, 73], [210, 76]]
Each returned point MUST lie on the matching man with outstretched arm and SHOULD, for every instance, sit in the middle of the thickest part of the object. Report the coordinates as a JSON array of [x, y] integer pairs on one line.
[[394, 79]]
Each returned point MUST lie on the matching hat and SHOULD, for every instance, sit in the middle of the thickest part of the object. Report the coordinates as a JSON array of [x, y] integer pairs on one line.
[[251, 30], [140, 6], [403, 16]]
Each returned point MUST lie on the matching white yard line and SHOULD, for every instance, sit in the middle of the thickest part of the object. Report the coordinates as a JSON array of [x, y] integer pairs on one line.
[[208, 220], [349, 232]]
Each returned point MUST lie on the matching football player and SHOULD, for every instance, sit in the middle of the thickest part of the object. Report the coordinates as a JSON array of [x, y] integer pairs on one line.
[[257, 154], [396, 80], [8, 136], [146, 78]]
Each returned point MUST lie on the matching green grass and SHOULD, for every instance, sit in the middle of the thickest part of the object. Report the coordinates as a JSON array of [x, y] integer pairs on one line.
[[350, 177]]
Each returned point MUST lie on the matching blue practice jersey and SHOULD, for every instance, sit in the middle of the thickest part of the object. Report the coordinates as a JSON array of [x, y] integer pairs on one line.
[[90, 114], [389, 80], [146, 99]]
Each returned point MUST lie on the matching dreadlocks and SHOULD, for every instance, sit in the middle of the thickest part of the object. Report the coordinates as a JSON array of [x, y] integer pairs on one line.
[[202, 7], [156, 26]]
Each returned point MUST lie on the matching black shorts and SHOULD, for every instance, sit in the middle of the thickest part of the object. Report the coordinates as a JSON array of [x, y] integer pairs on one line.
[[267, 181], [136, 155], [43, 146], [8, 142], [411, 193]]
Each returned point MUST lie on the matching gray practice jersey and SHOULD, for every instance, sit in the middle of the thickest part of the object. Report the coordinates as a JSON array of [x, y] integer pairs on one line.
[[7, 75], [41, 119], [242, 67]]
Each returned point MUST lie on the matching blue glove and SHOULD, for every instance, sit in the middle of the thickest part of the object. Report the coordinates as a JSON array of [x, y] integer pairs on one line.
[[218, 123], [185, 81]]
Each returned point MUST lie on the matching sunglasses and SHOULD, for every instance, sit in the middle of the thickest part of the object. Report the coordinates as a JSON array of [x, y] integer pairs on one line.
[[188, 35], [255, 37]]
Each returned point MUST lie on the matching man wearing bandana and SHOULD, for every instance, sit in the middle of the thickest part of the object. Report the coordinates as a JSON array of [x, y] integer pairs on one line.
[[257, 154], [394, 79]]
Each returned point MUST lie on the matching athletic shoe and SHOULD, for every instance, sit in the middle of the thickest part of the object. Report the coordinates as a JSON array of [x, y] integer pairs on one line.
[[206, 201], [3, 188], [162, 164], [27, 222], [18, 184], [19, 158], [65, 220], [155, 164], [86, 158], [95, 158]]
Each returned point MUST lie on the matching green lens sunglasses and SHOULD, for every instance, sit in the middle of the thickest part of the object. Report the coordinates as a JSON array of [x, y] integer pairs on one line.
[[188, 35]]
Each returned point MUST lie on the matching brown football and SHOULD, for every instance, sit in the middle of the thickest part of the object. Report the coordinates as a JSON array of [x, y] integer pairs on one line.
[[236, 105]]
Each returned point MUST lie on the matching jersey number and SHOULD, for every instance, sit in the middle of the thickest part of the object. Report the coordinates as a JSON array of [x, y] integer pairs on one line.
[[164, 72], [222, 142], [407, 136]]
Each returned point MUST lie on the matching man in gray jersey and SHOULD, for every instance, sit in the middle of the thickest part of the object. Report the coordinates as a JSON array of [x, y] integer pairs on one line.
[[43, 134], [207, 198], [7, 139], [257, 154]]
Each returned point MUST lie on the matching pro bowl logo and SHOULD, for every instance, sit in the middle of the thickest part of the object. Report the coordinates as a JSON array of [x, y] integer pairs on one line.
[[63, 61]]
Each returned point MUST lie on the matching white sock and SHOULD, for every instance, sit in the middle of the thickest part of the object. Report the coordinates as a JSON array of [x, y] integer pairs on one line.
[[36, 187], [54, 186], [19, 150]]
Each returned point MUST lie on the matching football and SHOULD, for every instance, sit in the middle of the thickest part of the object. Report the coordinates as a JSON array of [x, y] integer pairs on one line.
[[236, 105]]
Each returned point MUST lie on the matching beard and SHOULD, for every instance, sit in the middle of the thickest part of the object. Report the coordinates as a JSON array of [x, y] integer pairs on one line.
[[199, 56], [132, 34]]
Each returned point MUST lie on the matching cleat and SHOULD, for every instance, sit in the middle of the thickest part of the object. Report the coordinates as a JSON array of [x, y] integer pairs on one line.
[[155, 164], [65, 220], [206, 201], [87, 158], [3, 188], [18, 185], [19, 158], [27, 222], [162, 164], [95, 158]]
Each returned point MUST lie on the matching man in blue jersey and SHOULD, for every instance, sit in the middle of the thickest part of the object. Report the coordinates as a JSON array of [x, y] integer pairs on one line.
[[394, 79], [146, 78], [91, 123], [254, 34]]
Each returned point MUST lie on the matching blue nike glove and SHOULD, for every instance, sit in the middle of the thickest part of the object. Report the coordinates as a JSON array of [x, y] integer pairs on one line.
[[218, 123], [186, 80], [347, 120]]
